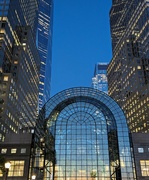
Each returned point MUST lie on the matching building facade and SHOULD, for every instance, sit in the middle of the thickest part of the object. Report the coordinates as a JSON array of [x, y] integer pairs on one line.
[[141, 151], [120, 14], [91, 137], [26, 154], [44, 44], [17, 150], [99, 81], [19, 65], [128, 71]]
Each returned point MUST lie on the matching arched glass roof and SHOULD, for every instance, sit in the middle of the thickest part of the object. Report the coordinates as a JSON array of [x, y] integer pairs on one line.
[[78, 111], [91, 94]]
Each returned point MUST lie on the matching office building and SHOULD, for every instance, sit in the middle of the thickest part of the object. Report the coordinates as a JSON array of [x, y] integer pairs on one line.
[[44, 44], [19, 66], [91, 137], [128, 71], [17, 150], [28, 155], [99, 81], [120, 14], [141, 150]]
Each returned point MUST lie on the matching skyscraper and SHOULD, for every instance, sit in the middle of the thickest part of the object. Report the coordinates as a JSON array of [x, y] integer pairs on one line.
[[128, 71], [44, 44], [19, 65], [99, 81], [120, 14]]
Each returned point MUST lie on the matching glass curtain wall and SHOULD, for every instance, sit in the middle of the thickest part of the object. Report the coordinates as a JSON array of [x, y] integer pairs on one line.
[[91, 136], [81, 143]]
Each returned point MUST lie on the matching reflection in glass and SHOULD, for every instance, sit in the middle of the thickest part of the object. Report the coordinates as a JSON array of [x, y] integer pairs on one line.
[[91, 136], [81, 142]]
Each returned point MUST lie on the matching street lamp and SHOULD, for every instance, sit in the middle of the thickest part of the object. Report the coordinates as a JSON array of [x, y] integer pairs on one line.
[[7, 166], [33, 176]]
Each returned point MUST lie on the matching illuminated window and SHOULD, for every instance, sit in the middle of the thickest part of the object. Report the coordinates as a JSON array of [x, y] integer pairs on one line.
[[16, 168], [13, 151], [4, 151], [144, 167], [5, 78], [1, 173], [139, 67], [140, 150], [15, 62]]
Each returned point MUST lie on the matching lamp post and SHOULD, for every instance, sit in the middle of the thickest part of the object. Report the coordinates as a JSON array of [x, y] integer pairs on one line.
[[7, 166], [33, 176]]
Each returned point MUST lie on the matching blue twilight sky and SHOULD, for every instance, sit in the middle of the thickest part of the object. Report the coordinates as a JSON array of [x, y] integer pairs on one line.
[[81, 38]]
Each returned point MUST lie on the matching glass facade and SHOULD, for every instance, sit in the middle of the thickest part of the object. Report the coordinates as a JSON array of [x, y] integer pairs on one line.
[[99, 81], [15, 165], [18, 150], [44, 44], [16, 169], [144, 167], [19, 66], [121, 12], [91, 137], [128, 71], [141, 154]]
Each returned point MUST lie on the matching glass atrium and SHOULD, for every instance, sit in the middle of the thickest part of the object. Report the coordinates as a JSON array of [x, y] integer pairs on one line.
[[91, 136]]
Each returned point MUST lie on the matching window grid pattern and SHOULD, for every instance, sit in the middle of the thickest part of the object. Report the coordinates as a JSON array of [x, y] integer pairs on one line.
[[79, 145], [16, 168], [144, 167], [56, 113], [20, 65], [128, 75], [44, 41]]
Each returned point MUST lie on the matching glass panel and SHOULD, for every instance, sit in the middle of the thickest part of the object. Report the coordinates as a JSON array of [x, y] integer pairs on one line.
[[84, 124], [13, 151], [144, 167], [4, 151], [80, 144], [5, 78], [140, 150], [23, 150], [16, 168]]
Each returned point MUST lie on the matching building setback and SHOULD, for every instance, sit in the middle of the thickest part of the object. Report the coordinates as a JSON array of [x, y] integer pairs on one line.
[[19, 65], [44, 44], [128, 71], [99, 81]]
